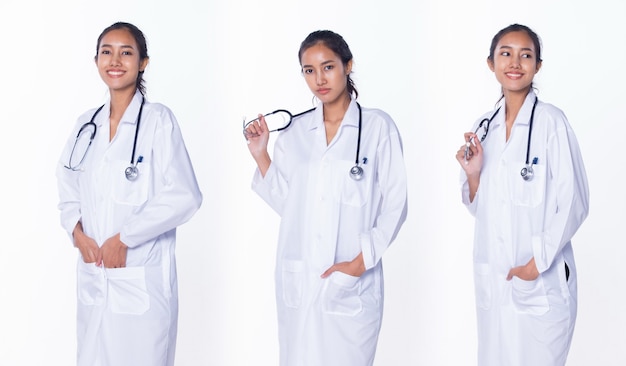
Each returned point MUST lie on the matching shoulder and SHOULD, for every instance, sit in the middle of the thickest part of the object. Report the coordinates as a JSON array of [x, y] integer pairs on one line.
[[158, 108], [552, 114], [159, 113], [377, 118]]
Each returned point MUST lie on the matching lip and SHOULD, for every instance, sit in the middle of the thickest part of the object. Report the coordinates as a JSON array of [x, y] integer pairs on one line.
[[115, 73], [323, 91], [514, 75]]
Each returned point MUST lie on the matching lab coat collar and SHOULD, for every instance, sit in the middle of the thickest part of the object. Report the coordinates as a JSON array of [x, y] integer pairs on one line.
[[523, 116], [130, 114], [351, 118]]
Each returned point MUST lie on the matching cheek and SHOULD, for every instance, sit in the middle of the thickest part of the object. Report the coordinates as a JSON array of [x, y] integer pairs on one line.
[[310, 80]]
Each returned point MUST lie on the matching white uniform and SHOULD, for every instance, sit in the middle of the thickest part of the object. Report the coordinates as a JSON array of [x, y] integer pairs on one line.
[[128, 316], [523, 323], [327, 218]]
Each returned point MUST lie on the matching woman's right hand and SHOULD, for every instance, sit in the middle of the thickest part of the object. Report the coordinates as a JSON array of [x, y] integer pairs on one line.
[[257, 136], [88, 247], [470, 155]]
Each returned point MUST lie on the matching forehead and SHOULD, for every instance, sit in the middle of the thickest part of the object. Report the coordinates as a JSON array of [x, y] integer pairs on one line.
[[118, 37], [517, 39], [318, 53]]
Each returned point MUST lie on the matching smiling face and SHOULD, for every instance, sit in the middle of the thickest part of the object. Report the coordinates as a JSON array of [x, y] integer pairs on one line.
[[118, 61], [325, 73], [515, 62]]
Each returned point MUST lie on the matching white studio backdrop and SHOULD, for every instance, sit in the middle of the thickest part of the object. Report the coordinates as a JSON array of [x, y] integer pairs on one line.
[[213, 62]]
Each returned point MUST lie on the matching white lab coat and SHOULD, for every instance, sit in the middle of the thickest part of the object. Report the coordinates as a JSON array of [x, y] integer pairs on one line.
[[327, 218], [523, 323], [128, 316]]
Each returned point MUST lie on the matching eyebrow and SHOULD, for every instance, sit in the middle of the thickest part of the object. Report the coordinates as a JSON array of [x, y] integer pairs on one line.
[[323, 63], [123, 46], [523, 49]]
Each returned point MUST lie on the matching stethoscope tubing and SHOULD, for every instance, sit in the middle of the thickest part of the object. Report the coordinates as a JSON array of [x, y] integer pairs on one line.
[[356, 172], [527, 172], [131, 172]]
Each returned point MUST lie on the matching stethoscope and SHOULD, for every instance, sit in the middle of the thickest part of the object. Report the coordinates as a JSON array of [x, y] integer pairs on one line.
[[527, 171], [356, 172], [131, 172]]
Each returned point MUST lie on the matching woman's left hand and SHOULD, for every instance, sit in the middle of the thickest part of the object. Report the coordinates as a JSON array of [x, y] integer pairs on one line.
[[527, 272], [355, 268], [113, 253]]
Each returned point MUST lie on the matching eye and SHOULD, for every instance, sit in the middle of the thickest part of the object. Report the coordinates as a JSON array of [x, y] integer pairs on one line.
[[505, 53], [527, 55], [329, 67], [307, 71], [127, 53], [105, 52]]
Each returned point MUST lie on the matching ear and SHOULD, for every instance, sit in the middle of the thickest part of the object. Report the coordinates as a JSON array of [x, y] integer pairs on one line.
[[143, 64], [538, 66], [349, 67], [490, 64]]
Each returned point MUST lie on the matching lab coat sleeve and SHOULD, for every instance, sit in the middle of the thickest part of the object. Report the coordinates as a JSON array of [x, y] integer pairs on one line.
[[465, 194], [69, 201], [567, 197], [179, 196], [68, 190], [274, 187], [393, 208]]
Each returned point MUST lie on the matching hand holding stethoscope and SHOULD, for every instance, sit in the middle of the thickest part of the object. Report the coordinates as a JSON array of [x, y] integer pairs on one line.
[[257, 136], [470, 155], [473, 149]]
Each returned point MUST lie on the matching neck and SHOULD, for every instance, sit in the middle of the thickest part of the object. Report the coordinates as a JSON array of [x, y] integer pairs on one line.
[[513, 102], [334, 111], [120, 101]]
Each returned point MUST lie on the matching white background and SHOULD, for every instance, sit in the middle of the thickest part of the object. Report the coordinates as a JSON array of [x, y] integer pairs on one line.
[[213, 62]]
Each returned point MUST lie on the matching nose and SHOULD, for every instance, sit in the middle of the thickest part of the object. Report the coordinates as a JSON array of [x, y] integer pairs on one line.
[[516, 62], [320, 79], [115, 60]]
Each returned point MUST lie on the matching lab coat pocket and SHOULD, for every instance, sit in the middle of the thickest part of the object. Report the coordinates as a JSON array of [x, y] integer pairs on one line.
[[91, 284], [127, 290], [292, 282], [342, 295], [530, 296], [527, 193], [130, 192], [350, 191], [482, 285]]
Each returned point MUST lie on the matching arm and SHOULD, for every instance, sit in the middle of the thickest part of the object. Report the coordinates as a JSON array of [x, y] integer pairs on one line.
[[470, 157], [268, 181], [392, 211], [178, 197], [567, 197], [257, 136]]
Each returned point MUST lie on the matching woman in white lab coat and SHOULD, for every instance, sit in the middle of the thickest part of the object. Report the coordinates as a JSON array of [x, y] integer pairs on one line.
[[334, 228], [122, 215], [524, 180]]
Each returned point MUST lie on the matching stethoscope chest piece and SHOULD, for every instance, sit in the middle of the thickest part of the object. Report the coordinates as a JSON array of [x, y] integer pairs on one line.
[[131, 172], [527, 173], [356, 172]]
